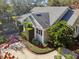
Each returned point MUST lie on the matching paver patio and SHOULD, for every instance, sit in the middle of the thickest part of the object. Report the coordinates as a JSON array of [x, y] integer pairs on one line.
[[24, 53]]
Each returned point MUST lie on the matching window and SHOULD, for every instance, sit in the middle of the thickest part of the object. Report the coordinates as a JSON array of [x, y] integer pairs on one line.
[[39, 31], [38, 14], [36, 30], [77, 29]]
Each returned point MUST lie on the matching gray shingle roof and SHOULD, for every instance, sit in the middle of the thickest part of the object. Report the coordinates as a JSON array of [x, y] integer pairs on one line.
[[47, 16], [23, 17], [42, 19], [55, 13]]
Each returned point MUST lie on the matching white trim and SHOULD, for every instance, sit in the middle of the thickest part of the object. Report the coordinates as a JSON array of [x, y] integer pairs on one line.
[[77, 24], [37, 22], [76, 33], [35, 26], [43, 37], [73, 19], [23, 17], [35, 32]]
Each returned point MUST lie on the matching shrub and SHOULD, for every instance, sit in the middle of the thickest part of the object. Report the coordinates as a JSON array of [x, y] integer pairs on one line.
[[57, 57], [68, 56], [36, 42], [59, 50], [77, 51], [61, 34], [23, 35]]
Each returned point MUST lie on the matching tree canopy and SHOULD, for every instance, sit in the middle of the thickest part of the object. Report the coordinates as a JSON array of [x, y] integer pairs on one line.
[[61, 34], [60, 2]]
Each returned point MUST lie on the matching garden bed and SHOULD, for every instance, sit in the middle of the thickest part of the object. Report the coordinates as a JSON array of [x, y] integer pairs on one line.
[[36, 49]]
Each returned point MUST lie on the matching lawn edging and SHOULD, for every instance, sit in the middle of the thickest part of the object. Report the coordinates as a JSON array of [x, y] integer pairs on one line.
[[36, 49]]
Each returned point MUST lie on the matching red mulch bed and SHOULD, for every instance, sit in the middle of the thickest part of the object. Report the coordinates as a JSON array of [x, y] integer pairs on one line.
[[74, 47], [77, 57]]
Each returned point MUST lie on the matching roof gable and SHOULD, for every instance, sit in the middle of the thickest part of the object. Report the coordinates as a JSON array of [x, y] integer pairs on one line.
[[42, 19]]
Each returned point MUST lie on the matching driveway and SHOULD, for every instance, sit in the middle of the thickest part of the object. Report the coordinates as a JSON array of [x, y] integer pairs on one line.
[[24, 53]]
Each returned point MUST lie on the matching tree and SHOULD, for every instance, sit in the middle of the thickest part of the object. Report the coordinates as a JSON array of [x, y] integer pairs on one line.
[[60, 2], [50, 2], [1, 2], [27, 25], [21, 7], [6, 10], [61, 34]]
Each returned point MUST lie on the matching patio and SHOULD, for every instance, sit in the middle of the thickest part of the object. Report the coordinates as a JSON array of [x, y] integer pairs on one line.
[[12, 49], [19, 51]]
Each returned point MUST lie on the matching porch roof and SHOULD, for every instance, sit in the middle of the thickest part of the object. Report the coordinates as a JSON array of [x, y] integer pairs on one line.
[[23, 17]]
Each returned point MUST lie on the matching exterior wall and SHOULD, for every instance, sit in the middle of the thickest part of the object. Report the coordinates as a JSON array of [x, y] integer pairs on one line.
[[36, 35], [76, 27], [77, 22], [39, 37], [35, 25], [46, 37]]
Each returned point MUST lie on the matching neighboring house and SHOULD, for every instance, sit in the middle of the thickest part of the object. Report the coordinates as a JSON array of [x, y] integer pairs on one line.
[[43, 17], [7, 26]]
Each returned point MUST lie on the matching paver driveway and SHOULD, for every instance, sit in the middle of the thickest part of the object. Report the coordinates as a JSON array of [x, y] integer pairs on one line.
[[24, 53]]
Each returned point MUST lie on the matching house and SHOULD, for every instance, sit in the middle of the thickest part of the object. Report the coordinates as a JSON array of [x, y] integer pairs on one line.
[[7, 25], [44, 17]]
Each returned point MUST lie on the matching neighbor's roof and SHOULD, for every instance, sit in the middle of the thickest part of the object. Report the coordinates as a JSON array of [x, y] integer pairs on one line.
[[68, 15], [55, 13], [73, 18], [23, 17], [42, 19]]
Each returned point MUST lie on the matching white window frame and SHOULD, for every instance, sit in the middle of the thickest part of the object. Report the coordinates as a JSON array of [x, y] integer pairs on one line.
[[76, 28], [39, 31]]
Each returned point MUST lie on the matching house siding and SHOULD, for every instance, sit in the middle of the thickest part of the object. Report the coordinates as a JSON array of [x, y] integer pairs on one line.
[[39, 37], [75, 26], [77, 22], [46, 36], [37, 26]]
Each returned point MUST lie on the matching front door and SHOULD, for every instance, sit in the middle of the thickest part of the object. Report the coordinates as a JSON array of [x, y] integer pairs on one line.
[[31, 34]]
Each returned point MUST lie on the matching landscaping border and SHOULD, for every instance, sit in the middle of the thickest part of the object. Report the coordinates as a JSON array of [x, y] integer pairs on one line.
[[36, 49]]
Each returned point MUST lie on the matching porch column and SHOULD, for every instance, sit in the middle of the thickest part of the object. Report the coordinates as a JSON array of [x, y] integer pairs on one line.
[[35, 32], [43, 38]]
